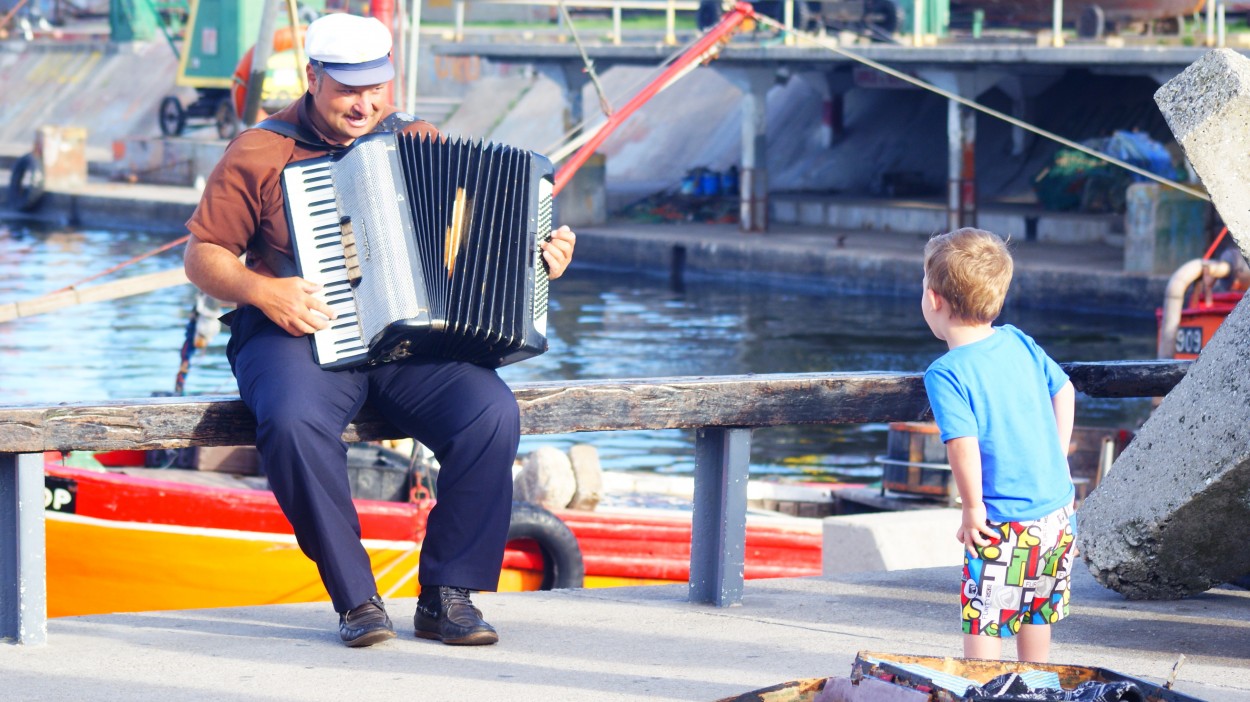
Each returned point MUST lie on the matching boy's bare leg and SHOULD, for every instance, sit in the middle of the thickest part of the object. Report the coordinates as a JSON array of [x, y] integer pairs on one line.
[[1033, 643], [987, 647]]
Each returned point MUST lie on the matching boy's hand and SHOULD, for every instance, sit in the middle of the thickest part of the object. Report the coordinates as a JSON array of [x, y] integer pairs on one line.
[[974, 533]]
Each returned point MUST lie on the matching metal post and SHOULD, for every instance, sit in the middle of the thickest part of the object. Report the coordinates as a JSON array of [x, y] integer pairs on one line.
[[1219, 24], [1210, 8], [670, 23], [413, 48], [719, 527], [753, 182], [968, 171], [616, 25], [260, 62], [23, 568], [917, 30], [787, 17], [459, 21], [1056, 24]]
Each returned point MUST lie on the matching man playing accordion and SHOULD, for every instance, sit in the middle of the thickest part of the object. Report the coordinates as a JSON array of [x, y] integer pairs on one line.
[[463, 412]]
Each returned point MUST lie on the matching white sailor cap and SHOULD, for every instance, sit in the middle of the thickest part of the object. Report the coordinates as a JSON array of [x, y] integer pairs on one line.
[[354, 50]]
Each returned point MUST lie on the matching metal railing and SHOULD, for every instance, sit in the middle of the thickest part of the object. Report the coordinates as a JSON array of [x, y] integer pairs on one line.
[[668, 7]]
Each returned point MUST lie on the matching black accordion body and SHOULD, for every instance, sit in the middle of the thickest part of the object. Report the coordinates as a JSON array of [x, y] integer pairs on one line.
[[425, 247]]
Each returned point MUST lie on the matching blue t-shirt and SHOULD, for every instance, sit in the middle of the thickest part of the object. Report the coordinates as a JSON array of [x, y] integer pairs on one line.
[[999, 390]]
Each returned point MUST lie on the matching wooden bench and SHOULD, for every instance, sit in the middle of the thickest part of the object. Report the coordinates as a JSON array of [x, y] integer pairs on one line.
[[722, 409]]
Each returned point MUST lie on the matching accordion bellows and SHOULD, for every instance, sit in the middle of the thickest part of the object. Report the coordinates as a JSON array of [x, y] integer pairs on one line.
[[424, 247]]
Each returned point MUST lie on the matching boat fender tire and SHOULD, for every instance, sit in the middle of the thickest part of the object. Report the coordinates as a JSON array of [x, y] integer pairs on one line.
[[26, 183], [283, 40], [562, 558]]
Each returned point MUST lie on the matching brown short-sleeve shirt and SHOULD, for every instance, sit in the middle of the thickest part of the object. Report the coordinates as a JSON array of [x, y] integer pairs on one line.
[[243, 198]]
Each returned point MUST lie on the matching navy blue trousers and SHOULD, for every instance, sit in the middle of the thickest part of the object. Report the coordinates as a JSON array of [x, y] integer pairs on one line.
[[463, 413]]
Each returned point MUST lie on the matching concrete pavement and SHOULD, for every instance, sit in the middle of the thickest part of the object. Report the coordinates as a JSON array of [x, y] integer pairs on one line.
[[607, 645]]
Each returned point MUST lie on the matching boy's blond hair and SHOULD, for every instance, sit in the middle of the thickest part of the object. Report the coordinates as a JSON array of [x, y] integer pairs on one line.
[[971, 269]]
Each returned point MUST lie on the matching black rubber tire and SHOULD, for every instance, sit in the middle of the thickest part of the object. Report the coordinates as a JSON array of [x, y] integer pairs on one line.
[[173, 118], [1092, 23], [885, 16], [562, 557], [26, 183]]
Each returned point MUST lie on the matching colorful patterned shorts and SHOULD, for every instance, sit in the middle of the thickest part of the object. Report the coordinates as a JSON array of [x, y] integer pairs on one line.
[[1020, 579]]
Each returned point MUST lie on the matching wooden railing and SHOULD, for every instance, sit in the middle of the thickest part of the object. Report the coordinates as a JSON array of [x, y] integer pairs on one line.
[[722, 409]]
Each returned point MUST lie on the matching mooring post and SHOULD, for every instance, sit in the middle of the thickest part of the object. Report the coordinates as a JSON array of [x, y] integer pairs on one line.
[[23, 585], [719, 526]]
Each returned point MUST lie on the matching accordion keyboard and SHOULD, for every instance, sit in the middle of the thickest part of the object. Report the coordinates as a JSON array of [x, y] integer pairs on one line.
[[311, 204]]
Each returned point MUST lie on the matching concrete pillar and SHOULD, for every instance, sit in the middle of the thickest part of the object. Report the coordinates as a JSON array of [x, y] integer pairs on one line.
[[960, 147], [584, 200], [961, 136], [831, 85], [574, 81], [753, 174], [1023, 90], [1172, 517]]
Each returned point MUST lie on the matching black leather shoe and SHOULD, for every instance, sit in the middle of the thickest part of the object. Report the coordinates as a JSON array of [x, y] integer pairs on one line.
[[446, 614], [366, 625]]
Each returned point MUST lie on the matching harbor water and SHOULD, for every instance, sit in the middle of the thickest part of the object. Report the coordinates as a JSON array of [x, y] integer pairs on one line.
[[603, 325]]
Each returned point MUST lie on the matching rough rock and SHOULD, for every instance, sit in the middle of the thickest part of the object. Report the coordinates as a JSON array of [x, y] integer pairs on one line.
[[1172, 518], [546, 478], [588, 475]]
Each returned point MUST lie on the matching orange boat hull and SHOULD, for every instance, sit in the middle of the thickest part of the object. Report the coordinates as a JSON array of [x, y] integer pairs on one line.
[[118, 543]]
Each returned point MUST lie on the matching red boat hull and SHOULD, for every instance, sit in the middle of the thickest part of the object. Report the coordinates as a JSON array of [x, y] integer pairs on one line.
[[120, 542]]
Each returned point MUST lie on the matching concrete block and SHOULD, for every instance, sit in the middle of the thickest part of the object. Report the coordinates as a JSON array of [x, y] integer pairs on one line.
[[165, 161], [1207, 107], [584, 201], [811, 213], [588, 476], [1164, 228], [784, 211], [891, 541], [1060, 229], [546, 478], [62, 152], [1172, 517]]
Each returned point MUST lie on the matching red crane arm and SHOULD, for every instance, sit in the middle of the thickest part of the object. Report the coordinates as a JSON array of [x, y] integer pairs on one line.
[[703, 50]]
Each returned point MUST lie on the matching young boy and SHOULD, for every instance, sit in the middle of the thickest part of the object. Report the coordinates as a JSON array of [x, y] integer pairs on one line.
[[1005, 412]]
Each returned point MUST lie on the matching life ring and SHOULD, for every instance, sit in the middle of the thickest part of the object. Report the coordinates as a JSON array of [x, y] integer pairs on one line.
[[26, 183], [532, 526], [283, 40]]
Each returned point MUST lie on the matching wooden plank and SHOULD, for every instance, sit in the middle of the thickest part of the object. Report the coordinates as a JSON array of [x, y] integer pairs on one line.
[[134, 285], [549, 408], [1127, 378]]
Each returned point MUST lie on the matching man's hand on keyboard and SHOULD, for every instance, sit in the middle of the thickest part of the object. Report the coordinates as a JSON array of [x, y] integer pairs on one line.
[[292, 305]]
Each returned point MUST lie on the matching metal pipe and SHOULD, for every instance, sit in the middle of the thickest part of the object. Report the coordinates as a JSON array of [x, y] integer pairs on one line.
[[1056, 24], [670, 24], [384, 12], [297, 44], [260, 62], [917, 33], [1174, 298], [414, 49], [1219, 23], [787, 19], [1210, 8]]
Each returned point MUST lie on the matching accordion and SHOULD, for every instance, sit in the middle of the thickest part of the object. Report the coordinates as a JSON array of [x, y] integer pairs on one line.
[[424, 247]]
